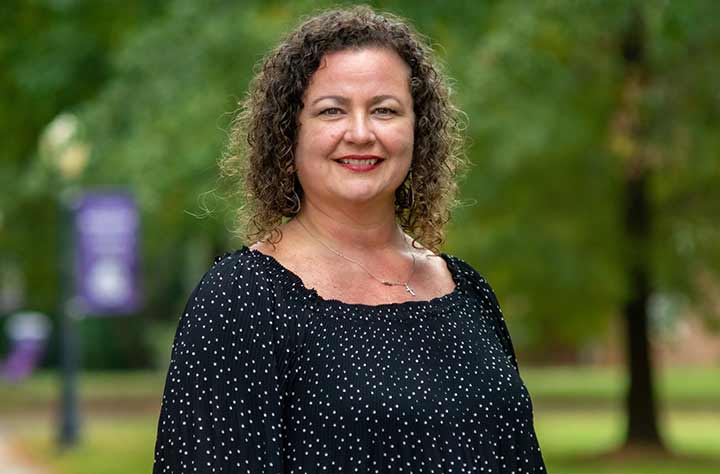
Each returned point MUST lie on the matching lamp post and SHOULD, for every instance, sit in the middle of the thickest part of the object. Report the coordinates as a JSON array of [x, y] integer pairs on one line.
[[68, 155]]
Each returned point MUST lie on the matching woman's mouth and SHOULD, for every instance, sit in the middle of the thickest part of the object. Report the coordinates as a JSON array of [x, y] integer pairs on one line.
[[360, 163]]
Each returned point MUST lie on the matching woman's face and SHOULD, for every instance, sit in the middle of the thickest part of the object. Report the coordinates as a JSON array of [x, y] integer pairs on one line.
[[355, 141]]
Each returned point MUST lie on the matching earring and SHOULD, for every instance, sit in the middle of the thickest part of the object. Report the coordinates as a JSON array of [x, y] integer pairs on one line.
[[405, 195]]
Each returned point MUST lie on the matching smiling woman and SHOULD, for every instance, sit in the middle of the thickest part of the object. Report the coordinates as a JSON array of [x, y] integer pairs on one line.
[[355, 139], [341, 340], [262, 149]]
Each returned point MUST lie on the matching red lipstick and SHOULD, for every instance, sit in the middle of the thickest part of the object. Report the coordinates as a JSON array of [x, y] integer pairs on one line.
[[359, 163]]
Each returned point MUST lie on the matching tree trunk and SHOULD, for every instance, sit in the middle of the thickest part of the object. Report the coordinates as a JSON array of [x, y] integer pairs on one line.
[[641, 406], [642, 427]]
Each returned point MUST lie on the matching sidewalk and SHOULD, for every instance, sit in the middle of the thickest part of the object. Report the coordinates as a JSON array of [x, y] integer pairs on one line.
[[11, 462]]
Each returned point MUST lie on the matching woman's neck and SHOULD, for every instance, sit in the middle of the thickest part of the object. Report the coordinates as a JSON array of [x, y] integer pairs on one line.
[[352, 231]]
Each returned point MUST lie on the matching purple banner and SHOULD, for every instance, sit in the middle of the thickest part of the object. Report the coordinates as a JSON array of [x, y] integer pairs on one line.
[[105, 240]]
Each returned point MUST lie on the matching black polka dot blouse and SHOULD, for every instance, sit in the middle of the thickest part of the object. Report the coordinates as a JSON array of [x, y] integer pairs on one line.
[[268, 377]]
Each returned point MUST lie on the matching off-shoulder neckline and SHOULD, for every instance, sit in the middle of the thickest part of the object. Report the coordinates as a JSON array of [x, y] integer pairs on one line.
[[430, 305]]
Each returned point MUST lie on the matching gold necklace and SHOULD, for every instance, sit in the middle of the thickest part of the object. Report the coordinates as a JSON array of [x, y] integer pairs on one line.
[[406, 284]]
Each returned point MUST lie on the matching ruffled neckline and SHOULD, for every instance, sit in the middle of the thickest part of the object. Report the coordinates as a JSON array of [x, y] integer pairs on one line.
[[400, 308]]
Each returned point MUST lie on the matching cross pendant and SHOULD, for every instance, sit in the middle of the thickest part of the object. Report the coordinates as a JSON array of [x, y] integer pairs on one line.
[[409, 290]]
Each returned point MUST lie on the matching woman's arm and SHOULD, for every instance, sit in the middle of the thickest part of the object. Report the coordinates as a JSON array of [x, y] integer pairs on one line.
[[223, 400]]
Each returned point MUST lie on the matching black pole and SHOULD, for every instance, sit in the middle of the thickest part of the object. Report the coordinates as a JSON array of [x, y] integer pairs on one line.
[[69, 435]]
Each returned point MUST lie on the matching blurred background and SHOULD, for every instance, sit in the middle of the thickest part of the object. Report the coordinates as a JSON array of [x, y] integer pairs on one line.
[[591, 206]]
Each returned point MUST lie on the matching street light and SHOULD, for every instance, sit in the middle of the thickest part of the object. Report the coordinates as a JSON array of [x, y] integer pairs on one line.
[[61, 145]]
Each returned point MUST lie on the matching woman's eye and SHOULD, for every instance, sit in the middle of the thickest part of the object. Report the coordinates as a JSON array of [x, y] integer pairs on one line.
[[384, 111], [331, 111]]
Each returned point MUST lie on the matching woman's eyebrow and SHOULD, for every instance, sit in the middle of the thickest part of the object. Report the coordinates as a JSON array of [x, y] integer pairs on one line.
[[337, 98], [380, 98], [344, 100]]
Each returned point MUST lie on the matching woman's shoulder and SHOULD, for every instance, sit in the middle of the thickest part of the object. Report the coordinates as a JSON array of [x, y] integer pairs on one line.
[[252, 274], [485, 293], [462, 269], [238, 293], [234, 281], [254, 263], [237, 283], [236, 270]]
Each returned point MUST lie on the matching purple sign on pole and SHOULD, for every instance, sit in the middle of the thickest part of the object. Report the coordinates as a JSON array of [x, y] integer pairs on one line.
[[105, 231]]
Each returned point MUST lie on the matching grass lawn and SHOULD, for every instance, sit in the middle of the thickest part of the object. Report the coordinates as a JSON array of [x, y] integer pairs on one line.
[[686, 386], [572, 440], [43, 389], [571, 425], [110, 445], [114, 445]]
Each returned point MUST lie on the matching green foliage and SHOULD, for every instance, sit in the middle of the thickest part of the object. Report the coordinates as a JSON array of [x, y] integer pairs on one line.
[[155, 88], [54, 55], [541, 88]]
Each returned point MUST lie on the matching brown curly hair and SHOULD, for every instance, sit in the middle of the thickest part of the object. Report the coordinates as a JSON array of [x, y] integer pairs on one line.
[[262, 141]]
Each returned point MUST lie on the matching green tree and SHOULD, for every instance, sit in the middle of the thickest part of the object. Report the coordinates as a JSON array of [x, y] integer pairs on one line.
[[594, 128]]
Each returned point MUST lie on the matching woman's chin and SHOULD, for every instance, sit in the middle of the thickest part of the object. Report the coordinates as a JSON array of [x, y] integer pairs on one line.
[[363, 198]]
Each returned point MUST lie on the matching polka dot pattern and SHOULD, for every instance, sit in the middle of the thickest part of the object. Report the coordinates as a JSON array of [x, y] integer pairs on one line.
[[268, 377]]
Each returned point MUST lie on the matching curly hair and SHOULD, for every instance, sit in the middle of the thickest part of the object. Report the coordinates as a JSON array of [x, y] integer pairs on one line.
[[260, 153]]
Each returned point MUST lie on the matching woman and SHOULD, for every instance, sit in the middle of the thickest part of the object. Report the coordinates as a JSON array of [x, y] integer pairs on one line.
[[341, 341]]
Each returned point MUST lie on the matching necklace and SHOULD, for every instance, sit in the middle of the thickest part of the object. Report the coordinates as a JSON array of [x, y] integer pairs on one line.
[[406, 284]]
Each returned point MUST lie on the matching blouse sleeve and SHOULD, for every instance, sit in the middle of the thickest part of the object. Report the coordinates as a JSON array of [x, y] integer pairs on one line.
[[486, 293], [222, 407], [500, 325]]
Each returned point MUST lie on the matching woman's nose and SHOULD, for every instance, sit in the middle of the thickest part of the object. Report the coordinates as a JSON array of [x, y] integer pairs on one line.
[[360, 130]]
